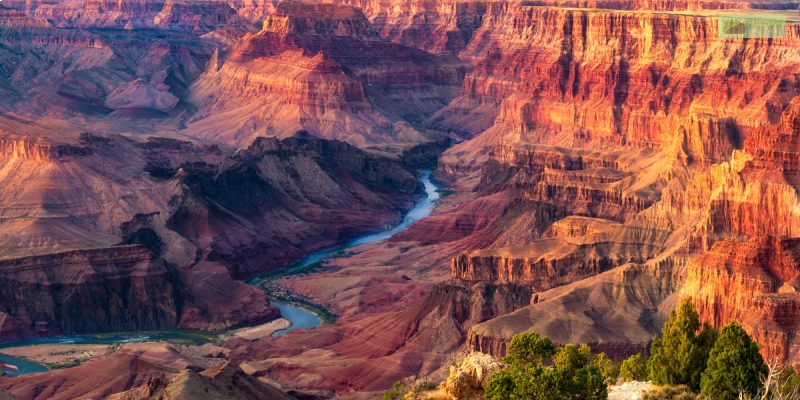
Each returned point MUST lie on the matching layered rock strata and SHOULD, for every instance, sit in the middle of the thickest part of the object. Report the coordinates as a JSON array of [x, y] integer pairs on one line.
[[323, 68]]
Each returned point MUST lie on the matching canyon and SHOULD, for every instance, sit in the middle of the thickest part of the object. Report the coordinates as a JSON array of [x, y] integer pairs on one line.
[[600, 161]]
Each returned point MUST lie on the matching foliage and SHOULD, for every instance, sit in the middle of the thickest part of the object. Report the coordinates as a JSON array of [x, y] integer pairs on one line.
[[679, 356], [423, 386], [734, 366], [469, 377], [529, 349], [571, 374], [396, 392], [409, 389], [503, 384], [633, 368], [780, 383], [608, 368], [681, 392]]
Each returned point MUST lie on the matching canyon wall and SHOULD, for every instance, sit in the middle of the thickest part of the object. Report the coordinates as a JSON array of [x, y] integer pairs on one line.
[[118, 289], [178, 218], [654, 138]]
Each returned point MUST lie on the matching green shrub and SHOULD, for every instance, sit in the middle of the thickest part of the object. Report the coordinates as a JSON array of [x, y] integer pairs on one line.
[[681, 392], [571, 373], [634, 368], [529, 349], [608, 368], [734, 366], [397, 391], [502, 385], [679, 356]]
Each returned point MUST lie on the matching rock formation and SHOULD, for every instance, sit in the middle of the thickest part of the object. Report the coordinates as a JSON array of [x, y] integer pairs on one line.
[[120, 289], [647, 163], [146, 371], [222, 382], [468, 379], [181, 231], [321, 67]]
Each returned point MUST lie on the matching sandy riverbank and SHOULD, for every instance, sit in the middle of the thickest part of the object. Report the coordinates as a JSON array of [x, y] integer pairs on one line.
[[60, 355]]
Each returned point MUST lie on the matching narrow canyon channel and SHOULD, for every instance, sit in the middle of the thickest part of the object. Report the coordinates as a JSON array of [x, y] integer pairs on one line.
[[299, 317], [304, 319]]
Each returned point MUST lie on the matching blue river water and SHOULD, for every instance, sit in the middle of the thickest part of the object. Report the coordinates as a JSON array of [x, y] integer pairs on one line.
[[298, 316], [12, 366], [302, 318]]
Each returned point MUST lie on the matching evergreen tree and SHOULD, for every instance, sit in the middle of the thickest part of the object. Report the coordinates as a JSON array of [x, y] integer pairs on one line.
[[734, 366], [679, 356], [608, 368], [538, 371], [634, 368], [529, 349]]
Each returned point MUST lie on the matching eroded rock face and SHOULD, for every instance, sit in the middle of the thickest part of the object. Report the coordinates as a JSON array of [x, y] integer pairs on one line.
[[753, 283], [453, 26], [186, 220], [637, 297], [141, 94], [311, 193], [624, 167], [222, 382], [418, 337], [194, 16], [326, 70], [468, 380], [115, 289]]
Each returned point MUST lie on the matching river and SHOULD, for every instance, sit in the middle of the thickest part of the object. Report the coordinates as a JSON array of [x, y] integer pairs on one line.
[[298, 316], [304, 319]]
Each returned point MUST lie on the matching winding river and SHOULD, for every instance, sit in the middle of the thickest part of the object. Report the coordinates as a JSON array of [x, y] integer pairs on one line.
[[304, 319], [298, 316]]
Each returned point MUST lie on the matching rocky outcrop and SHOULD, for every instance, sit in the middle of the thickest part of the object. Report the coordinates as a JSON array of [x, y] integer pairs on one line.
[[453, 26], [402, 340], [328, 71], [115, 289], [29, 149], [141, 94], [549, 263], [303, 194], [155, 370], [647, 53], [97, 379], [755, 284], [88, 74], [468, 379], [123, 288], [193, 16], [638, 297], [222, 382]]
